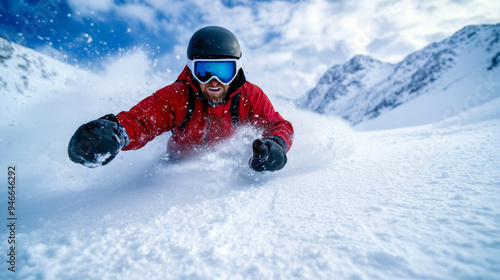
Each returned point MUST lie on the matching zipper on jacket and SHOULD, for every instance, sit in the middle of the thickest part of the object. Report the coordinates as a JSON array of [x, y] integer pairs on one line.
[[205, 141], [207, 130]]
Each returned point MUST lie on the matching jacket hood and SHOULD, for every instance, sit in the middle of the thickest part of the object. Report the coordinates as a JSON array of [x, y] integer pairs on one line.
[[238, 82]]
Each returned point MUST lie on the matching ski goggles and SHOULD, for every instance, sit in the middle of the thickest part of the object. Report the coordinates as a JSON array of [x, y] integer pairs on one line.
[[223, 70]]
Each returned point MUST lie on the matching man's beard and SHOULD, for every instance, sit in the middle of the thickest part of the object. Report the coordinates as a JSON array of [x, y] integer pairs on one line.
[[214, 100]]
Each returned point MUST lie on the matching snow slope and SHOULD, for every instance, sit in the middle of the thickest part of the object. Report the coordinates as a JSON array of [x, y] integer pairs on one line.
[[409, 203]]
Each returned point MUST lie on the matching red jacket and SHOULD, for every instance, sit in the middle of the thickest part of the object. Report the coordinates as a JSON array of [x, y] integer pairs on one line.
[[166, 110]]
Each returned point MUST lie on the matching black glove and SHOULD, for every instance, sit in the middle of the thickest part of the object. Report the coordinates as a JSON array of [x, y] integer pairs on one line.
[[268, 155], [96, 143]]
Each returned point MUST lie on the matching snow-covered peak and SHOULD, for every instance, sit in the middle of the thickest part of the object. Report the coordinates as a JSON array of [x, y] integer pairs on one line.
[[364, 88], [356, 67], [29, 77], [25, 70], [343, 80]]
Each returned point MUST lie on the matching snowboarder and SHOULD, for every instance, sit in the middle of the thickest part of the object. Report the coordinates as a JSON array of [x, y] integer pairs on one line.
[[209, 101]]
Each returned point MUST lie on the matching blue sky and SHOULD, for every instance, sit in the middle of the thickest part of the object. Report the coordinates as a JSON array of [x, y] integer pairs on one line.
[[86, 36], [292, 42]]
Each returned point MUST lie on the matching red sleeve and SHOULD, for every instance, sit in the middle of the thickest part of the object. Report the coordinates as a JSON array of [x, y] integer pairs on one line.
[[152, 116], [273, 123]]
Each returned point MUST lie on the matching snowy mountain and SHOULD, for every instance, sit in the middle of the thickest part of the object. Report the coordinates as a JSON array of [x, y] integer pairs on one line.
[[364, 88], [29, 76], [341, 82], [409, 203], [25, 71]]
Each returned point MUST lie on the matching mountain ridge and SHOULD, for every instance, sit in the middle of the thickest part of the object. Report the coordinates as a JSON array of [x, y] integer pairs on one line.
[[473, 48], [22, 65]]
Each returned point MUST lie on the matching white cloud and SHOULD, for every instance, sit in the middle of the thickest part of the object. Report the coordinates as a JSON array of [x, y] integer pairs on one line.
[[288, 46], [89, 6], [322, 33], [141, 13]]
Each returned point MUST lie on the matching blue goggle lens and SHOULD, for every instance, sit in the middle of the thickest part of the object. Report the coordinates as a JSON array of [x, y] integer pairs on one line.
[[224, 70]]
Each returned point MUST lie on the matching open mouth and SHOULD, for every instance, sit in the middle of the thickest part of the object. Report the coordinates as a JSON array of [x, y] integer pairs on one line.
[[214, 90]]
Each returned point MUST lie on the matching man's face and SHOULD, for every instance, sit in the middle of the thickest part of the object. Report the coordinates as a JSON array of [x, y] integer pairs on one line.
[[214, 91]]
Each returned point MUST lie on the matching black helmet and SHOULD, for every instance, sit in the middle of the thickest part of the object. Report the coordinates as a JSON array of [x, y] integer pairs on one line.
[[213, 42]]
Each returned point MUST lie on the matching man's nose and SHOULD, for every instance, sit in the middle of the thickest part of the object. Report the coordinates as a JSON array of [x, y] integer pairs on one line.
[[214, 82]]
